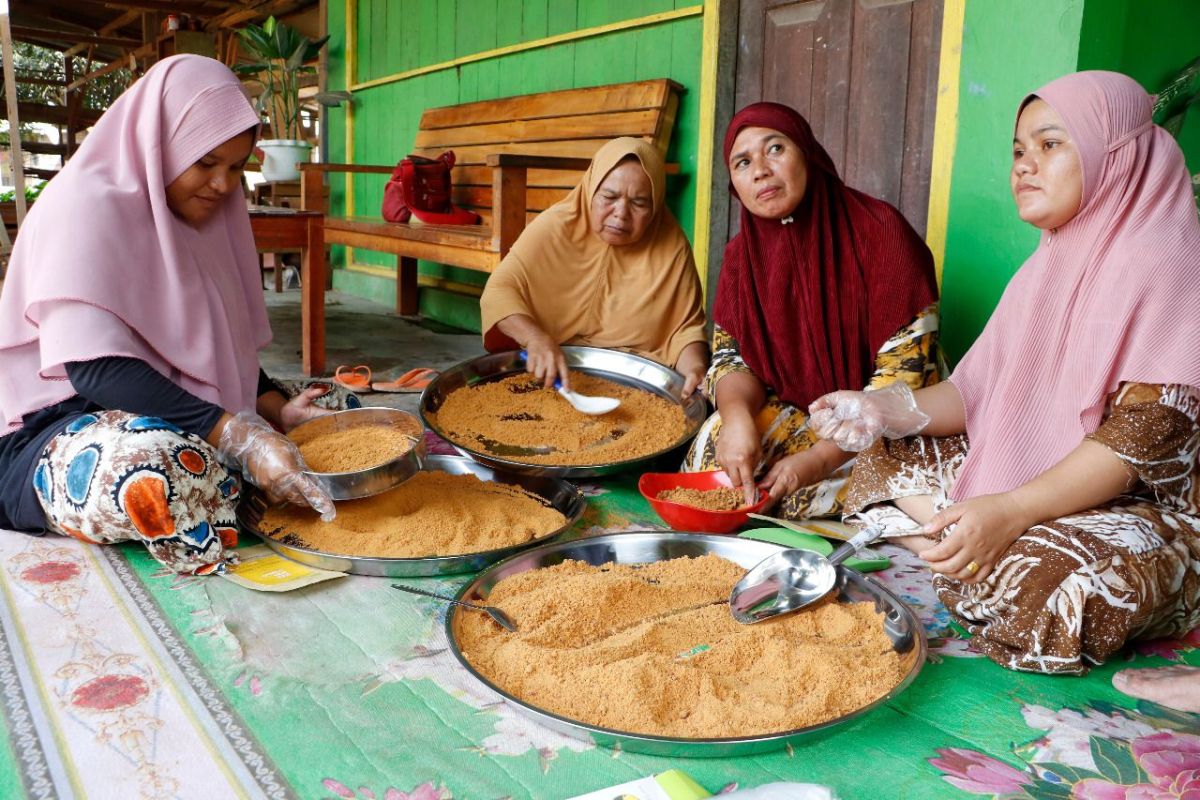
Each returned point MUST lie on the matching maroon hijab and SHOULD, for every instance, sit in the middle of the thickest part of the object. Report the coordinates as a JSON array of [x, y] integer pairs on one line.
[[811, 302]]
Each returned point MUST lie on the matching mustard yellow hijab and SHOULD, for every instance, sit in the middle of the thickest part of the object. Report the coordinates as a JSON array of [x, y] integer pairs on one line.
[[643, 296]]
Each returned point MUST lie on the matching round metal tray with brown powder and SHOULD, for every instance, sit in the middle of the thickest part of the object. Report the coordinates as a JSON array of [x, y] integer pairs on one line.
[[557, 494], [619, 367], [900, 626]]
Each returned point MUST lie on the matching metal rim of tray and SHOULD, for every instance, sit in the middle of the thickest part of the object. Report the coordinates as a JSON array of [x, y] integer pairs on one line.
[[615, 365], [901, 625], [560, 495]]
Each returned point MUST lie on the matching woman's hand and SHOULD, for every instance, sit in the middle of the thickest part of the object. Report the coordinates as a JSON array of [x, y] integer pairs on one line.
[[739, 451], [301, 409], [545, 359], [270, 461], [789, 474], [985, 527], [693, 366], [855, 420]]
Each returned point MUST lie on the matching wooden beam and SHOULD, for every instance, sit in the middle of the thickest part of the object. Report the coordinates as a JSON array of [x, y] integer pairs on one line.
[[44, 174], [26, 33], [182, 6], [113, 66], [29, 79], [14, 118], [120, 22], [45, 148], [55, 115]]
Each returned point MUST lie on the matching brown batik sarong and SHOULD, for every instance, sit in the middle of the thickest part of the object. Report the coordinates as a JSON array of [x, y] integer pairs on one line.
[[1070, 592]]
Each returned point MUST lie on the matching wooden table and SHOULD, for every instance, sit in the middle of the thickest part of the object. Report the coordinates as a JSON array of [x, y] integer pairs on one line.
[[280, 229]]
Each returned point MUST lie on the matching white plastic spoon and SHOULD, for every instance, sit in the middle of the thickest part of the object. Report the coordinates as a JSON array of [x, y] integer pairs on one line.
[[588, 404]]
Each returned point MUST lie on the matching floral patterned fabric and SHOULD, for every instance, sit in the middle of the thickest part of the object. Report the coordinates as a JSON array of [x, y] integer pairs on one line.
[[112, 477], [907, 356], [1070, 592]]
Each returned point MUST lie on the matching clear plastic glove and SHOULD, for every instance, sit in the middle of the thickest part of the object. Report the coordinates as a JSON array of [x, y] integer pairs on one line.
[[272, 462], [855, 420]]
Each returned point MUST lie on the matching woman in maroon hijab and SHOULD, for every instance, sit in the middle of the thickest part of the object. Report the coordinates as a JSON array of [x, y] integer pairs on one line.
[[823, 288]]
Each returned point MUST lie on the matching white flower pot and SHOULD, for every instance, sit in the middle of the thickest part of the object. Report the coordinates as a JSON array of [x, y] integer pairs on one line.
[[280, 157]]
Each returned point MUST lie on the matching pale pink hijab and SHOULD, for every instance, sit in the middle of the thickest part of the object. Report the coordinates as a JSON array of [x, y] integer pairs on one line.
[[1111, 296], [102, 267]]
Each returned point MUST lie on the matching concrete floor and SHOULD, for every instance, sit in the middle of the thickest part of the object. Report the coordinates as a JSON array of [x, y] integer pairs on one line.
[[359, 331]]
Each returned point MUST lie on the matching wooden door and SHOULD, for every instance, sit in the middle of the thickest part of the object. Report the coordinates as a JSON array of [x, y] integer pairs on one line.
[[864, 74]]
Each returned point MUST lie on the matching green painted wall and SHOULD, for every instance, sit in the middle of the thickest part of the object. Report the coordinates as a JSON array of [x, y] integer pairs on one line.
[[985, 241], [401, 35], [1009, 49]]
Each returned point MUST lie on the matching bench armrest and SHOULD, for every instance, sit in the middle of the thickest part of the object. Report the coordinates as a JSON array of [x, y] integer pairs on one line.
[[318, 168], [549, 162]]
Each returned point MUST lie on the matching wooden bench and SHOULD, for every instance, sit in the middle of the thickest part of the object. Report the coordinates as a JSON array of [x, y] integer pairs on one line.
[[516, 156]]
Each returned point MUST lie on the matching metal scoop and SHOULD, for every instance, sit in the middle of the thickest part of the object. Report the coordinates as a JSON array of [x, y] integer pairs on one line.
[[499, 616], [791, 579]]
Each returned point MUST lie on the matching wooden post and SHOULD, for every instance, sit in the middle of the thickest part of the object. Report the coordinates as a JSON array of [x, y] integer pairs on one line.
[[14, 119], [407, 301], [312, 295]]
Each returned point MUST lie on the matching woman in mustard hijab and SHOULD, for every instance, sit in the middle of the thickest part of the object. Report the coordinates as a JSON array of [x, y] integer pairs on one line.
[[607, 266]]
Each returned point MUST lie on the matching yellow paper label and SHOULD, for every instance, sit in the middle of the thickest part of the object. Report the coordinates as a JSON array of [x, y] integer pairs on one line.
[[264, 570]]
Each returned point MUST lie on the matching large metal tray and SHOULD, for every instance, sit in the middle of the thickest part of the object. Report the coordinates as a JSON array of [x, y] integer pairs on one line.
[[561, 496], [615, 365], [901, 625]]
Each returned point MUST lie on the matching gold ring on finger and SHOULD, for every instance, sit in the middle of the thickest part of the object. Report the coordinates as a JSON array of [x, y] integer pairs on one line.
[[973, 567]]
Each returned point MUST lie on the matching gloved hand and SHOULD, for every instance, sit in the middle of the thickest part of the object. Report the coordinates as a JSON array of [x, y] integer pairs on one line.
[[272, 462], [855, 420]]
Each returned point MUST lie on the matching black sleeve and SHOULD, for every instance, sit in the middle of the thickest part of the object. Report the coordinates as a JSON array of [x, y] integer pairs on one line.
[[265, 384], [119, 383]]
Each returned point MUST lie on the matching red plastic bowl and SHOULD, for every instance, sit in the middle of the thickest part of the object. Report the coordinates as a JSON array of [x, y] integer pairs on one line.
[[688, 518]]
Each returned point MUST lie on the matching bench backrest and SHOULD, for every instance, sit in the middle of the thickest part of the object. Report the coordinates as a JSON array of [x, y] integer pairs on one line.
[[571, 122]]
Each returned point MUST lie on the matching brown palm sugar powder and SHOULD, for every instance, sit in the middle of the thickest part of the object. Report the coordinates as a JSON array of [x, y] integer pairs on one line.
[[432, 514], [653, 649], [518, 411], [723, 499], [353, 449]]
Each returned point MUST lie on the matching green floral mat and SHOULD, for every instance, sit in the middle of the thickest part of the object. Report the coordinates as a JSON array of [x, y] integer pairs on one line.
[[346, 689]]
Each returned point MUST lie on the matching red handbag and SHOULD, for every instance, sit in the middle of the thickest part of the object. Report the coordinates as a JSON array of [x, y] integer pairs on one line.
[[420, 187]]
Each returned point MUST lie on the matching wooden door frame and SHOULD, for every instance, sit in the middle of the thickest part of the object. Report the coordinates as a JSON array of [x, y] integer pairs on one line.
[[945, 122], [721, 199]]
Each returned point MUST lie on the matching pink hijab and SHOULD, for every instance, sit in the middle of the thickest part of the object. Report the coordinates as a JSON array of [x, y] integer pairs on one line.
[[1111, 296], [102, 267]]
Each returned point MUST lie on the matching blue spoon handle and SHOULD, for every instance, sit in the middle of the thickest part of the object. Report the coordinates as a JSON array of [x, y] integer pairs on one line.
[[524, 355]]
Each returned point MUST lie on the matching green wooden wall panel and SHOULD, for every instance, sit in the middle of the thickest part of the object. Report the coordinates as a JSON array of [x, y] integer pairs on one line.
[[561, 16], [652, 55], [533, 20], [446, 22], [401, 35], [508, 23], [427, 44]]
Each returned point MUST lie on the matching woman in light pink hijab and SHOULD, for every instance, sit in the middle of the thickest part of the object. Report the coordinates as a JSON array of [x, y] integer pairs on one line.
[[130, 325], [1054, 488]]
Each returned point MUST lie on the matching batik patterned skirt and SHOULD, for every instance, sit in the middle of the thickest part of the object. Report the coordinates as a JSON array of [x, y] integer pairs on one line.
[[1072, 591]]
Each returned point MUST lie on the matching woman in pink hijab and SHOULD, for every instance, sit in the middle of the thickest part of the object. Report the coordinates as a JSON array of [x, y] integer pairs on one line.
[[130, 325], [1054, 488]]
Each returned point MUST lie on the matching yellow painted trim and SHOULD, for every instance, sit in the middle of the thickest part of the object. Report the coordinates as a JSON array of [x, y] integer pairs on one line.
[[945, 131], [585, 33], [704, 147]]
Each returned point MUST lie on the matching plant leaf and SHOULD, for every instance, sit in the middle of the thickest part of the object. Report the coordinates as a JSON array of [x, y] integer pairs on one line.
[[1116, 763]]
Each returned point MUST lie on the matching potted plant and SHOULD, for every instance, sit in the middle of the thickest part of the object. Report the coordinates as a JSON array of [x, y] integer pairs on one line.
[[280, 52]]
